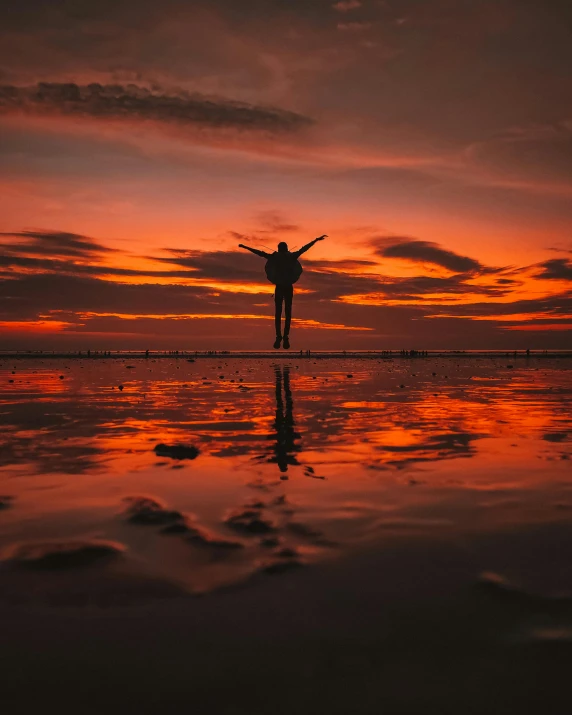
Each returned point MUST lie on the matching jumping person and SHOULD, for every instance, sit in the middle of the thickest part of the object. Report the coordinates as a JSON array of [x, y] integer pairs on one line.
[[283, 269]]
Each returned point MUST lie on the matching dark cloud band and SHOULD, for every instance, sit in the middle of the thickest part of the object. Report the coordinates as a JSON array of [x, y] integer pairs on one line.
[[53, 243], [58, 276], [133, 102], [425, 252], [556, 269]]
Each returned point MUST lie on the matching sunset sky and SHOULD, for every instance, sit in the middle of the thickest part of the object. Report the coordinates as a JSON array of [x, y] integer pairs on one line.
[[140, 142]]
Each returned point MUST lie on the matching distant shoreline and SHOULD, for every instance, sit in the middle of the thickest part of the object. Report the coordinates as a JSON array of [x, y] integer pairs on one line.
[[282, 354]]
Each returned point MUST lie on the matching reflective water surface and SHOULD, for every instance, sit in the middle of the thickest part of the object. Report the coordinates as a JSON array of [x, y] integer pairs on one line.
[[204, 473]]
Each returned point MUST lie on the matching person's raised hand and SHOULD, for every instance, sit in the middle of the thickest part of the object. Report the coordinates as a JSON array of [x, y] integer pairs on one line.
[[241, 245], [321, 238]]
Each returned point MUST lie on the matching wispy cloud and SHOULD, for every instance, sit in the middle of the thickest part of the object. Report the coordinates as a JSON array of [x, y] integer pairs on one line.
[[539, 153], [346, 5], [353, 26], [275, 222]]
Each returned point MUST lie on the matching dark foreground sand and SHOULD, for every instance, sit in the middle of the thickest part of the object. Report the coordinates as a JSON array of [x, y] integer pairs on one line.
[[346, 637]]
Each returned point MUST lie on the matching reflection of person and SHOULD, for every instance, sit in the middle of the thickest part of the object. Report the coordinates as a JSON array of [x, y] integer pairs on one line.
[[286, 437], [283, 269]]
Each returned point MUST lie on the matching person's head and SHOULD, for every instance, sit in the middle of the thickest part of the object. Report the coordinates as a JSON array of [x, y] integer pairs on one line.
[[283, 247]]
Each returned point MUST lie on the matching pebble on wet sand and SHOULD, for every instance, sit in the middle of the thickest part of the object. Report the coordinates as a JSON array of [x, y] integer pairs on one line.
[[176, 451]]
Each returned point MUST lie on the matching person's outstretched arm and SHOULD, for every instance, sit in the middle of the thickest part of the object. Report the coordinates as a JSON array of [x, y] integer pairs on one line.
[[262, 254], [305, 248]]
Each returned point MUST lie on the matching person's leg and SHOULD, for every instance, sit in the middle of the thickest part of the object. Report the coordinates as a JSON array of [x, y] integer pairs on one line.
[[278, 298], [288, 295]]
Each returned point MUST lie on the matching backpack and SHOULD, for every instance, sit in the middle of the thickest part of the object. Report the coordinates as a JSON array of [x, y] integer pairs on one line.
[[282, 268]]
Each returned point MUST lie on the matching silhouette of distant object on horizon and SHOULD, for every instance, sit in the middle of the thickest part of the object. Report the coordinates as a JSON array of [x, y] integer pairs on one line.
[[411, 353], [283, 269]]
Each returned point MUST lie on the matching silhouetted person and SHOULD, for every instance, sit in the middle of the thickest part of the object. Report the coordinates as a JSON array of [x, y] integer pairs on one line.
[[283, 269]]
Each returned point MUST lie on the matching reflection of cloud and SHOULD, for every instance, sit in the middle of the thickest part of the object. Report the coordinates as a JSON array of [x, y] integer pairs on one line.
[[556, 436], [46, 455], [435, 447], [132, 102]]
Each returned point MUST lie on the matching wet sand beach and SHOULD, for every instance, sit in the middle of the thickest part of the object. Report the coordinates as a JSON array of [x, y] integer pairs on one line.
[[278, 534]]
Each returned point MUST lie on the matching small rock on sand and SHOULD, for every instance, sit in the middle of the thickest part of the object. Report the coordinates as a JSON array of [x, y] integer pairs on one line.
[[149, 512], [249, 521], [63, 554], [177, 451]]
